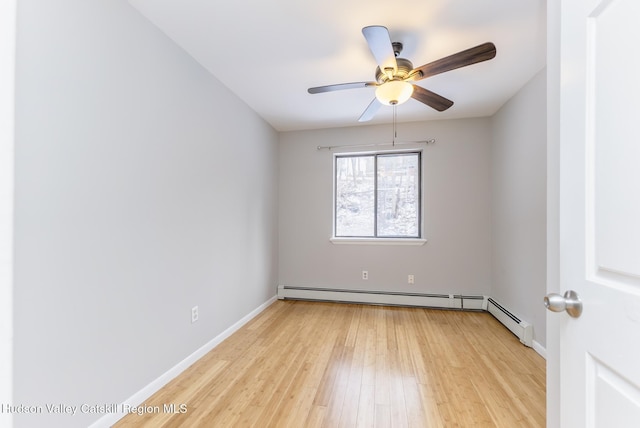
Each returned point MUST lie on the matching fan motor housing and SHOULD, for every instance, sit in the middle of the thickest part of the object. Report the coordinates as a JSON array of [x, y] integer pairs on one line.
[[404, 69]]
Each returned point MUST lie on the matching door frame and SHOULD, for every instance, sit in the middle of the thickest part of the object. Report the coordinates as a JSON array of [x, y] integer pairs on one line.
[[7, 160], [553, 209]]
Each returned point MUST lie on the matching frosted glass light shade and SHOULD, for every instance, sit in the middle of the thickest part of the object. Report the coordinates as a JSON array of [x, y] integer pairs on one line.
[[394, 92]]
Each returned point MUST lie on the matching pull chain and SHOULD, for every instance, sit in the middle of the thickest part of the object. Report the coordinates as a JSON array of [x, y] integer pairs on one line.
[[395, 133]]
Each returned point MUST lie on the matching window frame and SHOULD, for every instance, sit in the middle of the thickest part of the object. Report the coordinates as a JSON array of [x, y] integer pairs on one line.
[[382, 240]]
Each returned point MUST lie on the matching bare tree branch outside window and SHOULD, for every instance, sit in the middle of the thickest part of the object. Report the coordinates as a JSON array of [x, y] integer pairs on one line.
[[378, 195]]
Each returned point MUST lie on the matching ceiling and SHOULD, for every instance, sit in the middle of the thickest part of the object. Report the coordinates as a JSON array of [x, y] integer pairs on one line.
[[269, 52]]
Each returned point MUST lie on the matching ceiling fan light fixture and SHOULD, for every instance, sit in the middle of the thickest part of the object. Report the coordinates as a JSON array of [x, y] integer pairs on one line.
[[394, 92]]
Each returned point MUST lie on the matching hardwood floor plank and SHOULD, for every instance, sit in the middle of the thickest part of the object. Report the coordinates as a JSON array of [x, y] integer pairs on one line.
[[349, 415], [314, 364], [397, 402], [339, 390], [366, 407], [316, 417], [416, 415], [382, 417]]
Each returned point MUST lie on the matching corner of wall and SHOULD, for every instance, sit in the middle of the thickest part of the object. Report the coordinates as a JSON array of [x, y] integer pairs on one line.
[[7, 148]]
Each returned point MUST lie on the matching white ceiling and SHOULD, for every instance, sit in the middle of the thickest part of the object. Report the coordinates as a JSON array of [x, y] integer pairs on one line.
[[268, 52]]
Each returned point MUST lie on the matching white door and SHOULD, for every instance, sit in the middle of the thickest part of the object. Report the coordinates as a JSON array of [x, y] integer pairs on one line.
[[600, 212]]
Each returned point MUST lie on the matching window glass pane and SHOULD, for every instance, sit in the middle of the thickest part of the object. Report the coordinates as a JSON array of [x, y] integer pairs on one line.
[[355, 185], [398, 195]]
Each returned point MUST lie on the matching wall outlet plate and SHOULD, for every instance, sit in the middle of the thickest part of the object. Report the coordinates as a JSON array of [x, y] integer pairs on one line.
[[194, 314], [411, 279], [365, 274]]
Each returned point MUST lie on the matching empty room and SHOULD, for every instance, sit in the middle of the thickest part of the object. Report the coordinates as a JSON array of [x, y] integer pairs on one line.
[[319, 214]]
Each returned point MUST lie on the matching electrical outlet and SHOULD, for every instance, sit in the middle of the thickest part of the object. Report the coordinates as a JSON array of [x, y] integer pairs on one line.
[[365, 274], [411, 279], [194, 314]]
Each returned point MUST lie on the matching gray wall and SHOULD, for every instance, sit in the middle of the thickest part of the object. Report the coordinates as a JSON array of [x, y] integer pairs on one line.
[[519, 157], [143, 187], [456, 258]]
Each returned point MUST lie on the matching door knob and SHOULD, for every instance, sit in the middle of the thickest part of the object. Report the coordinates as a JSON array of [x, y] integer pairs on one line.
[[569, 302]]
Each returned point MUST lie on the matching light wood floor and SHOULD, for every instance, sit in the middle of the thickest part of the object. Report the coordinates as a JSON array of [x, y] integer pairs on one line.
[[310, 364]]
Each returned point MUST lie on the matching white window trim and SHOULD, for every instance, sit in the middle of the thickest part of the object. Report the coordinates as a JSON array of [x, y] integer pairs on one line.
[[378, 241]]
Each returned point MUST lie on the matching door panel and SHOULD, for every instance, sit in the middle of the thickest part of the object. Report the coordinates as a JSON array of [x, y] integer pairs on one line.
[[613, 135], [611, 400], [600, 212]]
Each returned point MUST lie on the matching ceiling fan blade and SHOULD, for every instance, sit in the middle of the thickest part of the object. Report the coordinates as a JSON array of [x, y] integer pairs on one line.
[[483, 52], [431, 99], [380, 44], [340, 86], [370, 111]]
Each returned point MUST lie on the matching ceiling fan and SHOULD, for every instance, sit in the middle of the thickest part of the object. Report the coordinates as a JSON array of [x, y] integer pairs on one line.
[[394, 75]]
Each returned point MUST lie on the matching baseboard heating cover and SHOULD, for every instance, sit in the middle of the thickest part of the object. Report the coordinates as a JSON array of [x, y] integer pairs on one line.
[[522, 329], [443, 301]]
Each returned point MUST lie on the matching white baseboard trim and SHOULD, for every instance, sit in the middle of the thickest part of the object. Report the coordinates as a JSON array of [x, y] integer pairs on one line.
[[541, 350], [139, 397]]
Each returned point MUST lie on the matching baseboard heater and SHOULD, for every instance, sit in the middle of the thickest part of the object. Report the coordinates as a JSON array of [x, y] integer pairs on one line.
[[521, 329], [443, 301]]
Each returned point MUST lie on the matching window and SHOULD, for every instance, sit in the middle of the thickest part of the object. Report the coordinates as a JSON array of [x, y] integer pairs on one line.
[[377, 195]]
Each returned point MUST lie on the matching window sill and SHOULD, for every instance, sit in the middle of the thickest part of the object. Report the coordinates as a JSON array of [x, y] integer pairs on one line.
[[378, 241]]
